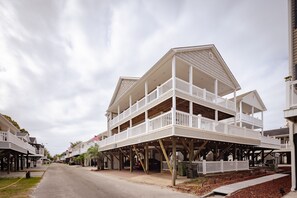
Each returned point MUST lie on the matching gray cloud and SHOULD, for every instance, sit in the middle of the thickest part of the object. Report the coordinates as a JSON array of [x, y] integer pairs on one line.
[[60, 60]]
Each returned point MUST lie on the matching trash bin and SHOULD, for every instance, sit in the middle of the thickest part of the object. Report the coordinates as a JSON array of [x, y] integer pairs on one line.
[[182, 168], [192, 171], [28, 174]]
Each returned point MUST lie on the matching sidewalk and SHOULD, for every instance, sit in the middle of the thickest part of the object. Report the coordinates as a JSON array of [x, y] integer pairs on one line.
[[228, 189], [292, 194]]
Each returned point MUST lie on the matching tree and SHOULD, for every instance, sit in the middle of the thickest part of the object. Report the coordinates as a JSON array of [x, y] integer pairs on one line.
[[15, 124], [73, 144], [12, 121], [47, 154], [93, 152]]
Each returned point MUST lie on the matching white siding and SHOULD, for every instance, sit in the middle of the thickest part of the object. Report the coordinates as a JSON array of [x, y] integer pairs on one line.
[[211, 66]]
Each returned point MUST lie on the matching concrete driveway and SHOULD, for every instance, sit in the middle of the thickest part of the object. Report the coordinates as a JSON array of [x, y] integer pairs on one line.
[[65, 181]]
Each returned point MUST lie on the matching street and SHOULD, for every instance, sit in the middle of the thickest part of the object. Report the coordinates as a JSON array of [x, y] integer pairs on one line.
[[64, 181]]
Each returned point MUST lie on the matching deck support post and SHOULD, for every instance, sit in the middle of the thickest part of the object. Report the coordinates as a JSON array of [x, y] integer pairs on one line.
[[2, 164], [111, 162], [165, 155], [17, 162], [253, 157], [174, 161], [139, 158], [131, 160], [8, 163], [146, 157], [262, 157], [27, 160], [22, 161], [191, 151], [200, 148], [120, 160]]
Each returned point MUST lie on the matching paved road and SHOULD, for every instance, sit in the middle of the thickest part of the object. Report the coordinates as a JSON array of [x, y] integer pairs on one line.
[[64, 181]]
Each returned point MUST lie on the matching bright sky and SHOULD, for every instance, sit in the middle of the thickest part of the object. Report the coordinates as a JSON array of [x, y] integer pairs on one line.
[[60, 60]]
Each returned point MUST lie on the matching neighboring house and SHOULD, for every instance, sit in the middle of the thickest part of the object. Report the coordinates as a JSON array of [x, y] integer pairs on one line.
[[82, 148], [285, 151], [180, 105], [15, 147], [39, 158], [290, 112], [250, 108]]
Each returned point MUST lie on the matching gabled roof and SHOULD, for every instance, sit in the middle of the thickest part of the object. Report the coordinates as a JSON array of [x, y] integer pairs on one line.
[[167, 57], [244, 97], [124, 83], [216, 54]]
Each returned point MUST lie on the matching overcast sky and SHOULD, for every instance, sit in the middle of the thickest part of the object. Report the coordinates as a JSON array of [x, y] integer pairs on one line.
[[60, 60]]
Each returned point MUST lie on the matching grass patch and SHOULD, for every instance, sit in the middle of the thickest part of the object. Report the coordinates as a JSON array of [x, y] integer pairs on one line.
[[20, 189]]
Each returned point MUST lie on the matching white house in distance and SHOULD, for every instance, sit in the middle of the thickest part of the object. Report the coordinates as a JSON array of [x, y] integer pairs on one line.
[[180, 105], [16, 148]]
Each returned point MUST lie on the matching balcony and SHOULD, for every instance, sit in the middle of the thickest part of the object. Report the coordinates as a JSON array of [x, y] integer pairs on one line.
[[291, 100], [286, 146], [181, 86], [13, 139], [185, 119], [250, 120]]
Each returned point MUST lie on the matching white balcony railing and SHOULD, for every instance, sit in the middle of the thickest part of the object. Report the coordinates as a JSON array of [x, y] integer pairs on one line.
[[9, 137], [182, 86], [185, 119], [286, 145], [291, 94]]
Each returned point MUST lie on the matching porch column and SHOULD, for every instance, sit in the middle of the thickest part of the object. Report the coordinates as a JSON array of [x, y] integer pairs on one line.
[[235, 107], [146, 121], [119, 111], [111, 162], [216, 90], [146, 92], [130, 103], [173, 70], [253, 109], [191, 79], [17, 162], [216, 115], [240, 114], [262, 117], [191, 113], [174, 161]]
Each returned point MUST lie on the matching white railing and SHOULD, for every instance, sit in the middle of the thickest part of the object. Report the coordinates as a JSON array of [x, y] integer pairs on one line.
[[121, 136], [182, 86], [205, 167], [187, 120], [182, 118], [286, 145], [9, 137], [138, 130], [161, 121], [269, 140], [152, 96], [291, 94], [249, 119]]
